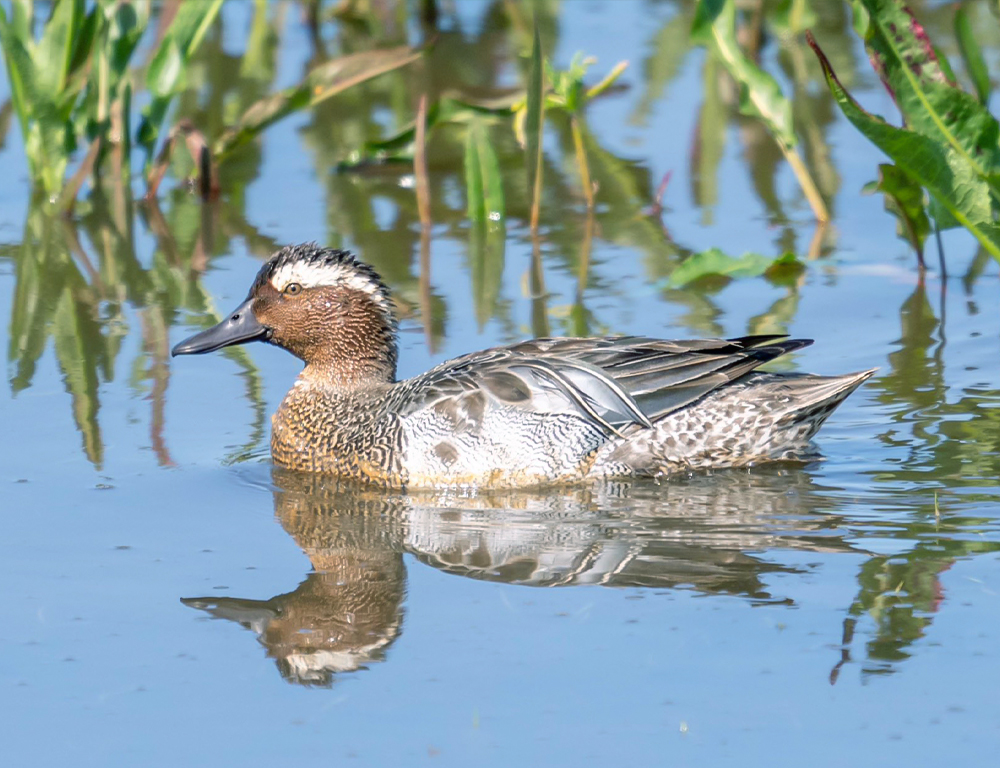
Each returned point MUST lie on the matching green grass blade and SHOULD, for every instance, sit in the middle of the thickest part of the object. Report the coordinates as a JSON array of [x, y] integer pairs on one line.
[[127, 26], [83, 41], [533, 128], [55, 49], [484, 189], [165, 76], [20, 71], [22, 19], [323, 82], [482, 176], [760, 95], [972, 54], [945, 173]]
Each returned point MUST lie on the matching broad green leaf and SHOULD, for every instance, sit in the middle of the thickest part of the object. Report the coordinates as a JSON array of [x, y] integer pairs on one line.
[[83, 41], [944, 172], [165, 70], [323, 82], [972, 54], [20, 71], [31, 311], [399, 146], [22, 19], [760, 95], [904, 198], [165, 75], [55, 49], [930, 103], [715, 262], [482, 177], [50, 142], [533, 128]]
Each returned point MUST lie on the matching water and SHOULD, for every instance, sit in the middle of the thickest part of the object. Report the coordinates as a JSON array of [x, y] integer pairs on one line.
[[172, 599]]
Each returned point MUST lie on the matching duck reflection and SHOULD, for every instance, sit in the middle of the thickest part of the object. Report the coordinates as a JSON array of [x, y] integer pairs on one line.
[[700, 534]]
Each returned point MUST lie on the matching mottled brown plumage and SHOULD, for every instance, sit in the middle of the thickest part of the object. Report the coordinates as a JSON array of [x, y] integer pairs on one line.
[[542, 411]]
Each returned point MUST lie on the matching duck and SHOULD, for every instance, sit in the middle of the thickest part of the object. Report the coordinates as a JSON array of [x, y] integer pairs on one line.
[[546, 411]]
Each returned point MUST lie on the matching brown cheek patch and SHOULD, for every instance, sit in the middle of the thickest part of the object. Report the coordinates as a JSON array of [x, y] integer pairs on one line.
[[264, 304]]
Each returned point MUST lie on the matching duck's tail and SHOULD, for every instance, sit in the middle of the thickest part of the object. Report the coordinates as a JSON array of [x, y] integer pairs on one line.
[[764, 416], [811, 399]]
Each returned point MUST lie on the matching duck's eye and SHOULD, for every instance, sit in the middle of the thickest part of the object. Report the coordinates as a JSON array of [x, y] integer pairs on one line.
[[293, 289]]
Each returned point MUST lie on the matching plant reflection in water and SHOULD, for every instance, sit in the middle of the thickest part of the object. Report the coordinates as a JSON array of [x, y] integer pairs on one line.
[[713, 534]]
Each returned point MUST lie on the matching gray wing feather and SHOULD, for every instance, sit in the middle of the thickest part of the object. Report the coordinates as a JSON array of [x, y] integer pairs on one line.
[[614, 382]]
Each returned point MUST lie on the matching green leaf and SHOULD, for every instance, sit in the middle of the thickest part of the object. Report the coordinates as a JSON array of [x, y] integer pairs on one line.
[[486, 211], [399, 146], [794, 16], [904, 198], [165, 76], [760, 95], [55, 50], [20, 71], [83, 41], [930, 102], [126, 28], [972, 55], [482, 177], [860, 18], [944, 172], [323, 82], [165, 69], [715, 262], [22, 19], [486, 263], [533, 127]]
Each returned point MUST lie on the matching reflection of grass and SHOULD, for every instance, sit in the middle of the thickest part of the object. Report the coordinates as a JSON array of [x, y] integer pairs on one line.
[[61, 293]]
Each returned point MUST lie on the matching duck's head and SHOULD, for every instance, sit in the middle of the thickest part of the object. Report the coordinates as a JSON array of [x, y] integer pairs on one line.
[[322, 305]]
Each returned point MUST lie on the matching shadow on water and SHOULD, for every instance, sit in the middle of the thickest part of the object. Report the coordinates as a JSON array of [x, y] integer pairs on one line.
[[720, 534]]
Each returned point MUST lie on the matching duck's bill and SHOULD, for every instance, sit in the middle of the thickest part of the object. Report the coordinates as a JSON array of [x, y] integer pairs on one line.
[[240, 327]]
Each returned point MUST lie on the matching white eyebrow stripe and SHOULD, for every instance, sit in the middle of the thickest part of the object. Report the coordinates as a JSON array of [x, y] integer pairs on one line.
[[314, 275]]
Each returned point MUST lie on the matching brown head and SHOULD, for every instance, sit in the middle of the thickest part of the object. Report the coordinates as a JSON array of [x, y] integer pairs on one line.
[[322, 305]]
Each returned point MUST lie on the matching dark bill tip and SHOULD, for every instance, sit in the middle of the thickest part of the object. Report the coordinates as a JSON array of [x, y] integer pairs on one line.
[[240, 327]]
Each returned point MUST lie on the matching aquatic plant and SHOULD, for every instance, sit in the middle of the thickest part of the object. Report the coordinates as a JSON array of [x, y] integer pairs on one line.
[[946, 155], [760, 95], [75, 83]]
